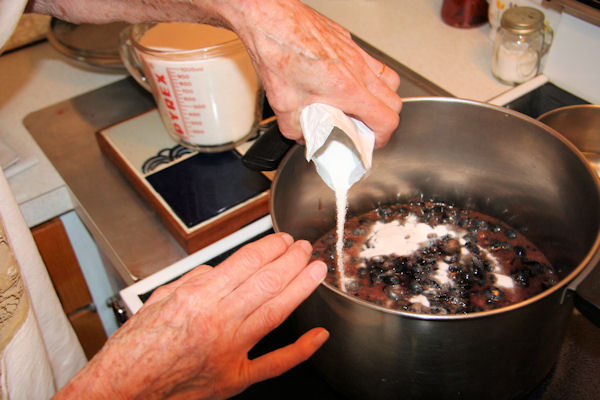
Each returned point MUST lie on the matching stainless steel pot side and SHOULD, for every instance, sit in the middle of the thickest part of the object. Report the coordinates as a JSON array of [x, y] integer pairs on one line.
[[476, 156], [580, 124]]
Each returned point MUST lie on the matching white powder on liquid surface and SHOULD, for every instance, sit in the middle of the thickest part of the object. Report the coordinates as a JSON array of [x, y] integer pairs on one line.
[[404, 239]]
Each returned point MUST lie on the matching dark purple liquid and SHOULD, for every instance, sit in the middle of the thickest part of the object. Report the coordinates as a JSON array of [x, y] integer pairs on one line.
[[476, 264]]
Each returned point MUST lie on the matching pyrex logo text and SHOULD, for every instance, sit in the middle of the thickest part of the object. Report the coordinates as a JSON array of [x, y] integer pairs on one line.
[[168, 99]]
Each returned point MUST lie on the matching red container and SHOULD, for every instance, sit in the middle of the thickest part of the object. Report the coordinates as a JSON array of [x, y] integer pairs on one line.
[[465, 13]]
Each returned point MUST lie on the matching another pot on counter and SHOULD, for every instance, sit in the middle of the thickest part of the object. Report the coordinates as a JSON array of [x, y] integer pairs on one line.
[[475, 156], [580, 124]]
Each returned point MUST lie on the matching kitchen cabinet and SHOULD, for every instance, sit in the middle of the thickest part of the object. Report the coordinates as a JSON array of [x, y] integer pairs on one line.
[[70, 285]]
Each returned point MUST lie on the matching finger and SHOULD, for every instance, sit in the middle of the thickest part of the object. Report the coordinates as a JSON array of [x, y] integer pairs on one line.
[[382, 120], [268, 282], [382, 71], [273, 312], [242, 264], [281, 360], [374, 113], [165, 290]]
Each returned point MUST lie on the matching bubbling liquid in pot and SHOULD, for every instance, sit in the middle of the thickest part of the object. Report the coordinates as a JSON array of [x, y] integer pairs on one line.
[[435, 258]]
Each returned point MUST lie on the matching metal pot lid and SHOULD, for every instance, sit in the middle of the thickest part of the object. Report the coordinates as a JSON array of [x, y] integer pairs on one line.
[[95, 45]]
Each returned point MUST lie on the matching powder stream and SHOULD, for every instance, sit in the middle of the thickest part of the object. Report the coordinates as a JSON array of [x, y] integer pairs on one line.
[[341, 202]]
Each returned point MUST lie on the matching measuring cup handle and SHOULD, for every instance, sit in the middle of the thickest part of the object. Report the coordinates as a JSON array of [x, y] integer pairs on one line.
[[130, 58]]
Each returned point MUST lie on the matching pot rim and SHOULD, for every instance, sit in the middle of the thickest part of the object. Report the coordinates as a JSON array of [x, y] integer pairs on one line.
[[593, 254], [566, 108]]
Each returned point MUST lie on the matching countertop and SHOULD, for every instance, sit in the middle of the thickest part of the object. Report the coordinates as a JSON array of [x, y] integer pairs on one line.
[[33, 78], [411, 32]]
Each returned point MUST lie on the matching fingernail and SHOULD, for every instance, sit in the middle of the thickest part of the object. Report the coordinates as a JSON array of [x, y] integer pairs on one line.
[[321, 337], [287, 238], [305, 245], [318, 270]]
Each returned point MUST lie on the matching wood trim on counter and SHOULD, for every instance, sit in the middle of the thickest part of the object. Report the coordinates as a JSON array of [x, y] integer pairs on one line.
[[70, 285]]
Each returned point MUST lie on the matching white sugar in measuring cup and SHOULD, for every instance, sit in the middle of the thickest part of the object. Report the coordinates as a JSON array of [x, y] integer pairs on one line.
[[207, 91]]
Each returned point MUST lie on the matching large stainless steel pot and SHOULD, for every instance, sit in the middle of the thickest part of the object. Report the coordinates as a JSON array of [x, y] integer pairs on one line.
[[477, 156]]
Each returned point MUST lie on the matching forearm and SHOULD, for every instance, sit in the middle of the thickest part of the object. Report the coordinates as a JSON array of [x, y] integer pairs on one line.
[[215, 12], [301, 57]]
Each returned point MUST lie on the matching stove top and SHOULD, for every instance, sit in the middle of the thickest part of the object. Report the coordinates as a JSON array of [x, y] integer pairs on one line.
[[573, 377], [546, 97]]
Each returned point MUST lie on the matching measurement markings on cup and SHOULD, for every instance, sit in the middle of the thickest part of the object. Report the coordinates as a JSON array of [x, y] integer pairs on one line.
[[186, 100]]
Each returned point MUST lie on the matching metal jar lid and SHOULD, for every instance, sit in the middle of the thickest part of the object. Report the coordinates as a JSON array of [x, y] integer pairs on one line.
[[522, 20]]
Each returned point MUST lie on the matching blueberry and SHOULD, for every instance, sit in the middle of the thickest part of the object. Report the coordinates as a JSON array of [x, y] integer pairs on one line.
[[451, 247], [415, 287], [521, 277], [493, 294], [533, 266], [391, 280], [510, 234], [469, 237], [362, 272], [495, 228], [472, 247], [400, 264], [481, 224], [453, 259], [487, 266], [385, 212], [520, 251], [376, 275], [495, 245], [387, 265], [393, 292]]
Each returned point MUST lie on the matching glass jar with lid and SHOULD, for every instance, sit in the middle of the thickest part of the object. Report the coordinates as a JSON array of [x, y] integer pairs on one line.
[[521, 41]]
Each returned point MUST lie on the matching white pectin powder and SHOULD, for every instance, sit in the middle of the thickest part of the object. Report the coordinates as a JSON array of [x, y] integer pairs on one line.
[[333, 161], [341, 148], [401, 239], [394, 238], [341, 203]]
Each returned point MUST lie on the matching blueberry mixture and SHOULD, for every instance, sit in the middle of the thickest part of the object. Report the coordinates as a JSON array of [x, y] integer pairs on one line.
[[465, 262]]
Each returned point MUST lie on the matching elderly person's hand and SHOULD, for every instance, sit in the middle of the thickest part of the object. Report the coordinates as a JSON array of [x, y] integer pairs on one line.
[[304, 58], [301, 56], [191, 338]]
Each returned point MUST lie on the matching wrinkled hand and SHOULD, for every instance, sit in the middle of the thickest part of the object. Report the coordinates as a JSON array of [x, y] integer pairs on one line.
[[301, 56], [304, 58], [191, 338]]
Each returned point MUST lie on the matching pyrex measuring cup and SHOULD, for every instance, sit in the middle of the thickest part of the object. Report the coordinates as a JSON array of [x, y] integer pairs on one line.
[[209, 98]]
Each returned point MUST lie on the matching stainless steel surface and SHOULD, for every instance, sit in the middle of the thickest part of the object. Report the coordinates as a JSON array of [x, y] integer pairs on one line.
[[123, 225], [477, 156], [580, 124], [127, 231]]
